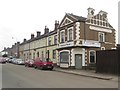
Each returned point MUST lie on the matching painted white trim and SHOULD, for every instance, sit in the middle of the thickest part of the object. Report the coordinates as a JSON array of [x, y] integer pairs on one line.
[[68, 33], [60, 35], [89, 55], [65, 51], [77, 32], [66, 23], [109, 43], [103, 36], [100, 29], [102, 48]]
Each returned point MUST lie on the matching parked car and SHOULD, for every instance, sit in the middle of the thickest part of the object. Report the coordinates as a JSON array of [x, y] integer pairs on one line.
[[2, 60], [20, 62], [29, 62], [43, 64]]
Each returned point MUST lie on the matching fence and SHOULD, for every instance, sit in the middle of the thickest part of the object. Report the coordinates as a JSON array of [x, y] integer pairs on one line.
[[107, 61]]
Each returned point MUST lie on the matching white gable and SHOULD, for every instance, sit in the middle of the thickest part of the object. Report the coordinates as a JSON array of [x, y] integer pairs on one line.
[[66, 21]]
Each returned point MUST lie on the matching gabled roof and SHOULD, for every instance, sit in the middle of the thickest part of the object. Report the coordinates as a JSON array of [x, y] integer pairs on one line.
[[78, 18], [40, 37], [70, 18]]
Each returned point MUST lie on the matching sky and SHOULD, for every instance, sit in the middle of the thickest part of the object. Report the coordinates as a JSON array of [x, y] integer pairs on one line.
[[20, 18]]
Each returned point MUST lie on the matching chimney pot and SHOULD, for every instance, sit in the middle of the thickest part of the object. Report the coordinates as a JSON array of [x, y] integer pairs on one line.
[[32, 36], [46, 30], [24, 40], [56, 24], [38, 33]]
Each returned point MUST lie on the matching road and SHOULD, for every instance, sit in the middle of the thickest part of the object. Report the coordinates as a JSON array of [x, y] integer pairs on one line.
[[18, 76]]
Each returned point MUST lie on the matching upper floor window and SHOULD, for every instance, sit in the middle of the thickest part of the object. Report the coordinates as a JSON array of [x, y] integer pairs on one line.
[[62, 37], [49, 41], [101, 37], [70, 34], [55, 39]]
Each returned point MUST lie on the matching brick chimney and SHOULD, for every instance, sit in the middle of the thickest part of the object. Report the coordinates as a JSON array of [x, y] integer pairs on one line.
[[56, 24], [24, 40], [46, 30], [32, 36], [38, 33]]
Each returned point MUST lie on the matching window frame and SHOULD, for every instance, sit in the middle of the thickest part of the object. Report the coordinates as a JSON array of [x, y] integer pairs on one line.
[[63, 31], [68, 34], [94, 56], [103, 37]]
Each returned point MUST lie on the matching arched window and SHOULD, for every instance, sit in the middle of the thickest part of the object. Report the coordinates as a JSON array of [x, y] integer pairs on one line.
[[92, 57], [64, 56]]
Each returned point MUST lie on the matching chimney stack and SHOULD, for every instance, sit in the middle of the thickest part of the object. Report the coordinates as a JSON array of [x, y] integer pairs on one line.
[[56, 24], [24, 40], [38, 33], [90, 12], [104, 14], [32, 36], [46, 30]]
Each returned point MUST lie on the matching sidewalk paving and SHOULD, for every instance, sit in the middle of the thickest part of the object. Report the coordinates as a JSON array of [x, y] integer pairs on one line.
[[88, 73]]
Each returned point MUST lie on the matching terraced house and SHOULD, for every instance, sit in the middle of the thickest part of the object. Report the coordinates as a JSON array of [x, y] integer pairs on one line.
[[74, 42], [42, 46], [80, 37]]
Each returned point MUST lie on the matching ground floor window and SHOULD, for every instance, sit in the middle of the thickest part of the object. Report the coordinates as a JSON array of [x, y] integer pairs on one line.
[[54, 54], [92, 57], [64, 57]]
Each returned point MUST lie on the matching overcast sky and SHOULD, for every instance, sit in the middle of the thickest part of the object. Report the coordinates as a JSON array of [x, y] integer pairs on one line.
[[20, 18]]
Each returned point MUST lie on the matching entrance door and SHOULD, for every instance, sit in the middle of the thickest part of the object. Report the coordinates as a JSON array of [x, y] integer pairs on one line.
[[78, 61]]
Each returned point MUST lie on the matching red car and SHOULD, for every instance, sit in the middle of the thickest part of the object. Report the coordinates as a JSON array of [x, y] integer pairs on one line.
[[43, 64], [29, 63], [2, 60]]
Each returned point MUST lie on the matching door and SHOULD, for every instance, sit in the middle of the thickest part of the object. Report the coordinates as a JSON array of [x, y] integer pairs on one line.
[[78, 61]]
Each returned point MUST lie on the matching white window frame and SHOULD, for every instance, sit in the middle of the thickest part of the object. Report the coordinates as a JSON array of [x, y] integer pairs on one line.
[[49, 39], [102, 48], [103, 36], [55, 38], [89, 55], [60, 36], [68, 39], [64, 51]]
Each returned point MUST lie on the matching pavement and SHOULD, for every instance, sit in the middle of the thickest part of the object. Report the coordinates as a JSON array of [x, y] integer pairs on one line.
[[88, 73]]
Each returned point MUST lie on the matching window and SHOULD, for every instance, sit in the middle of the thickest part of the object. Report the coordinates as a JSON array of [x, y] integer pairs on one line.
[[42, 55], [102, 48], [70, 34], [37, 54], [101, 37], [55, 39], [62, 37], [33, 55], [49, 41], [92, 56], [54, 54], [64, 57]]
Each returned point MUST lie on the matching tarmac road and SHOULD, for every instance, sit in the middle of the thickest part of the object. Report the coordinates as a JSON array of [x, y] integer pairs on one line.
[[18, 76]]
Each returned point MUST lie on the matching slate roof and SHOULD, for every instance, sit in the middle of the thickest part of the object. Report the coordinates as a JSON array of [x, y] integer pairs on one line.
[[78, 18]]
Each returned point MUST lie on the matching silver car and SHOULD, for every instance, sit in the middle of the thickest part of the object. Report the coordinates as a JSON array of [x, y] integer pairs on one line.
[[20, 62]]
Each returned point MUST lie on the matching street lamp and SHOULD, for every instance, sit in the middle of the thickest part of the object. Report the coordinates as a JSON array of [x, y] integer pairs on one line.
[[16, 54]]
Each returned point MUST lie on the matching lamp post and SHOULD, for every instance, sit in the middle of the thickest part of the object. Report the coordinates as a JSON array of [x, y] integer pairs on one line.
[[16, 47]]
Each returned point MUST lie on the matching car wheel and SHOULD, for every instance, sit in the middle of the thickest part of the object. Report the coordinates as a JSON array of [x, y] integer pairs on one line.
[[35, 66]]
